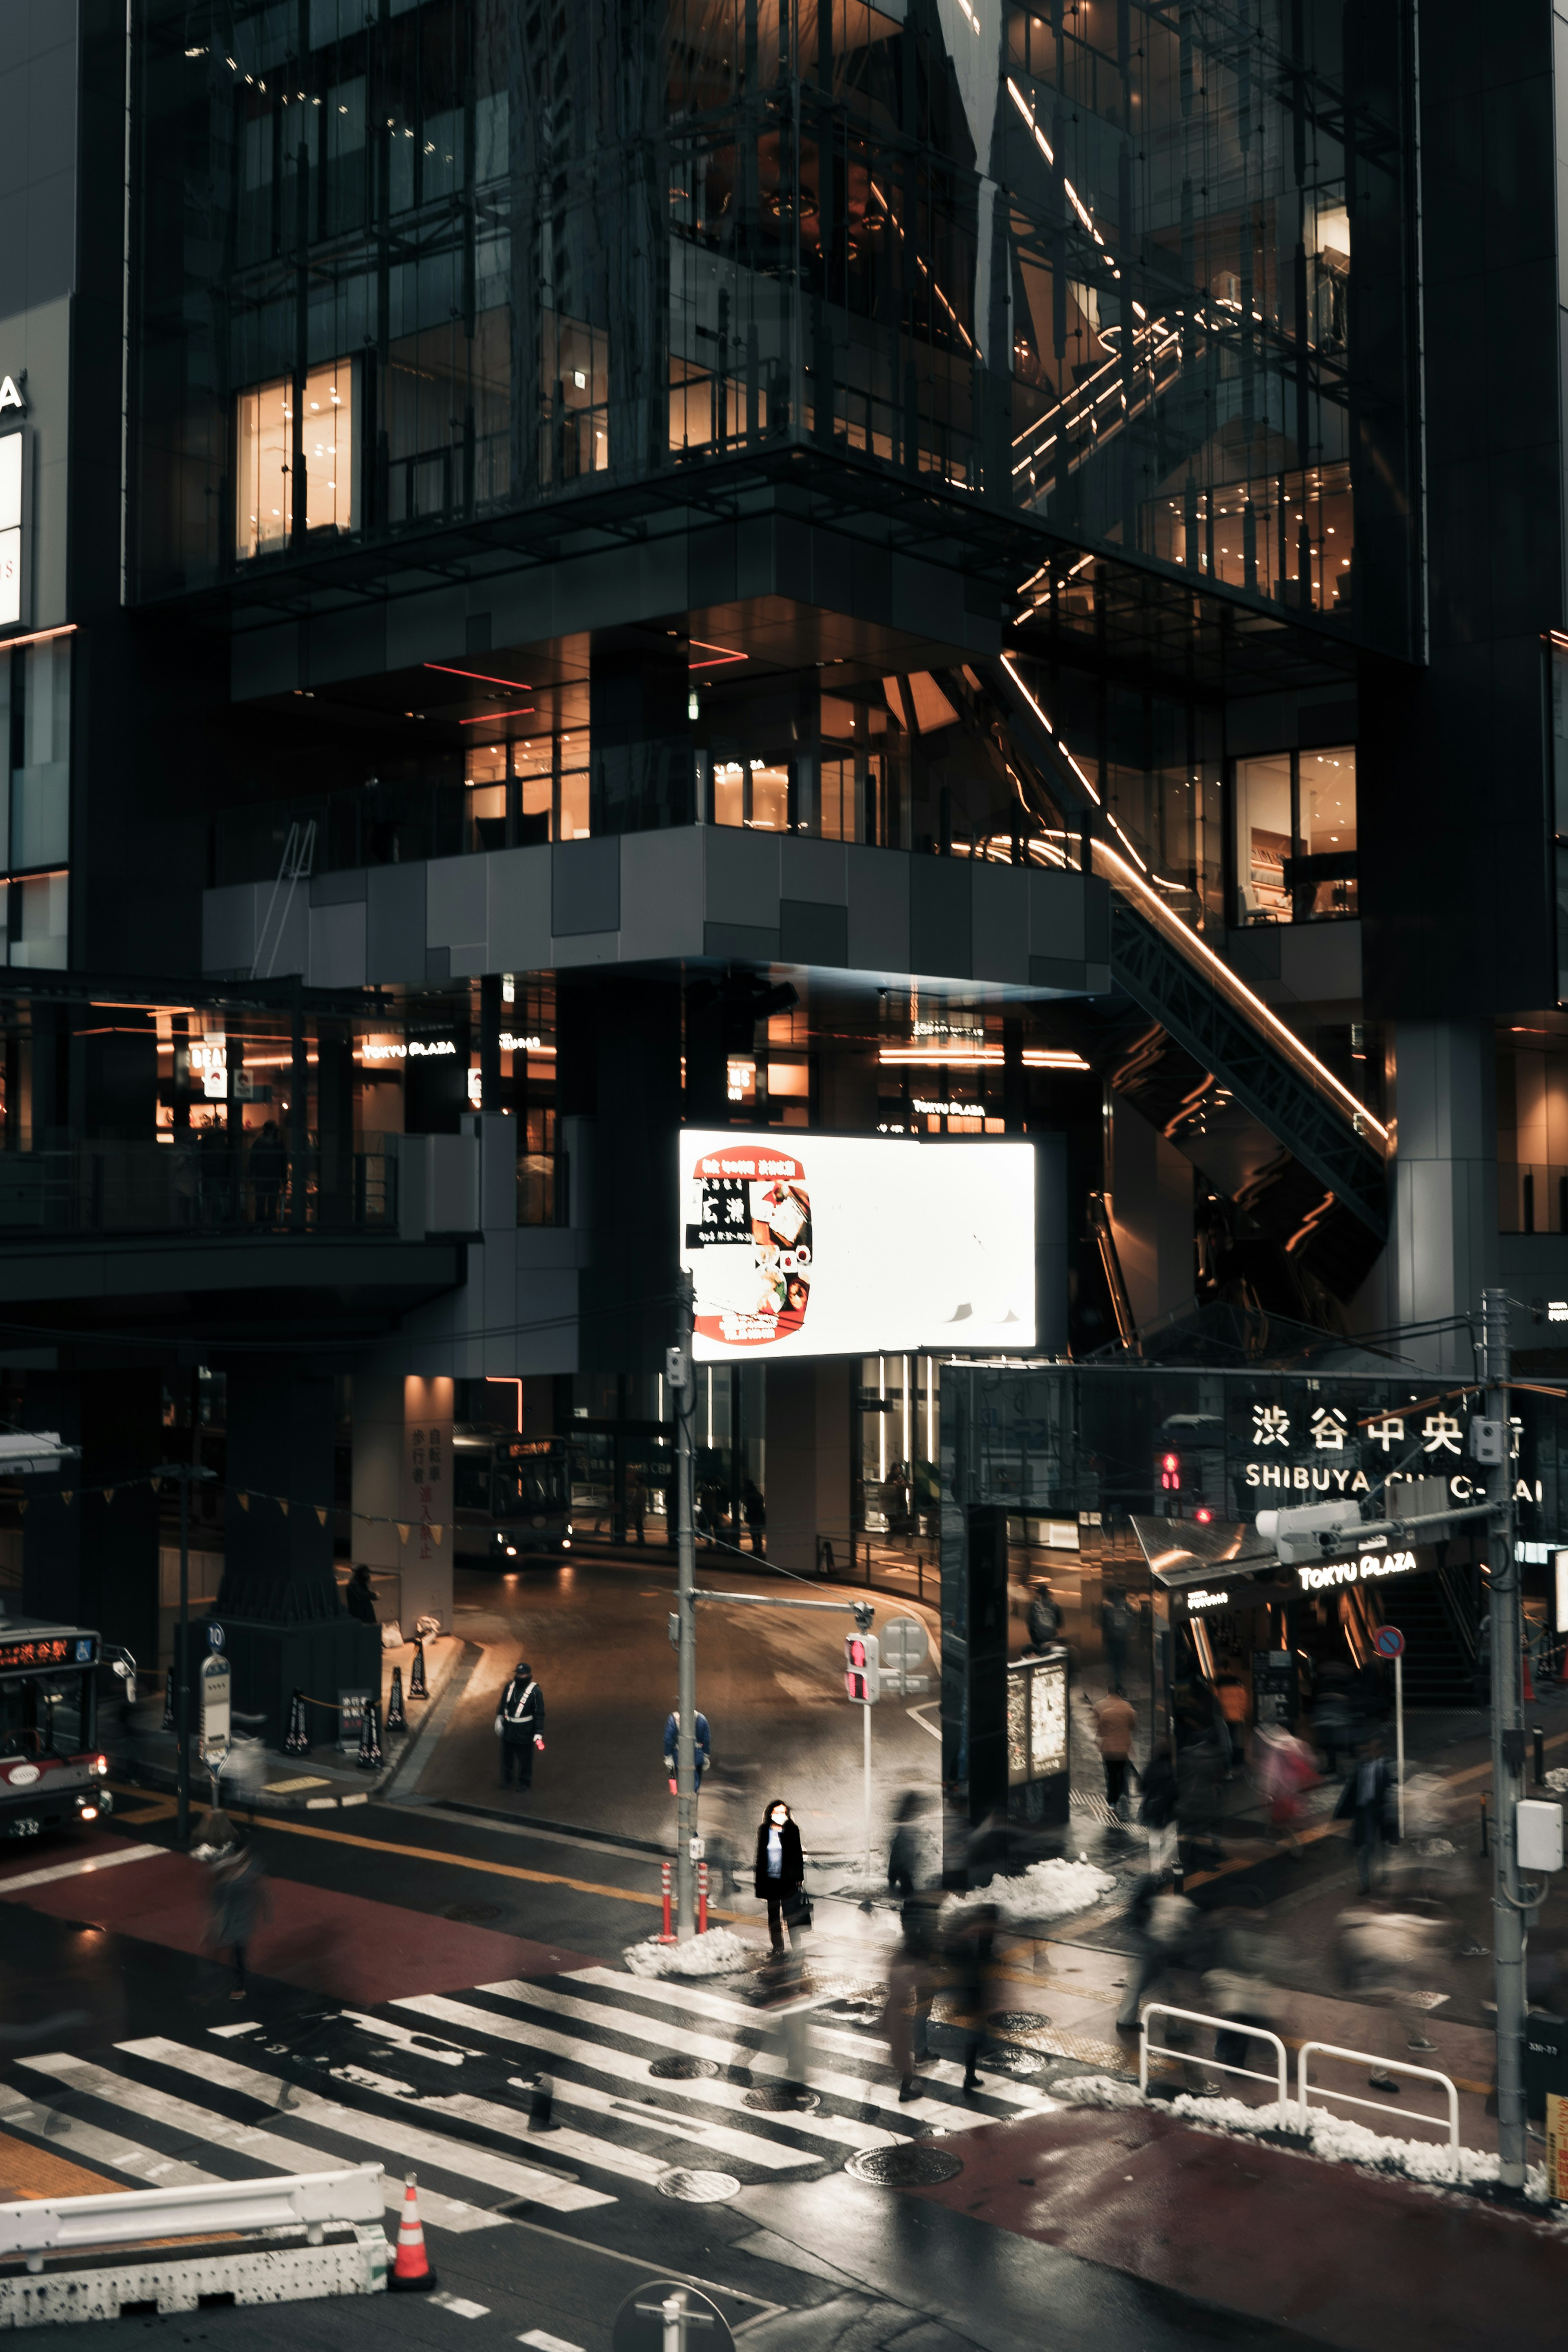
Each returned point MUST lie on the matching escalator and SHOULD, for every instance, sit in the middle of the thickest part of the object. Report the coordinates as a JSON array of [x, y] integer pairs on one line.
[[1204, 1059]]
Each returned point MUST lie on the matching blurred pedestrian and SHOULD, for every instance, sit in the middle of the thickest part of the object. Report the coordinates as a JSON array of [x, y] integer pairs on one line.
[[1044, 1619], [1117, 1634], [1236, 1984], [907, 1977], [702, 1744], [1158, 1813], [1331, 1723], [519, 1726], [1382, 1951], [268, 1166], [1114, 1723], [754, 1511], [1161, 1923], [1230, 1694], [239, 1900], [909, 1858], [1284, 1768], [970, 1952], [1364, 1803], [781, 1873], [1197, 1794], [359, 1596]]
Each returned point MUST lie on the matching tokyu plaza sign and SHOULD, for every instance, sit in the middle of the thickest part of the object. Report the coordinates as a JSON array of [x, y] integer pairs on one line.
[[1334, 1438], [1363, 1570]]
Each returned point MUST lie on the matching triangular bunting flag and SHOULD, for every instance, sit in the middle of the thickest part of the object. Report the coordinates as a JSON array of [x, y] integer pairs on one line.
[[402, 1527], [322, 1513], [436, 1533], [109, 1494], [22, 1506], [283, 1505], [242, 1498], [156, 1484], [68, 1495]]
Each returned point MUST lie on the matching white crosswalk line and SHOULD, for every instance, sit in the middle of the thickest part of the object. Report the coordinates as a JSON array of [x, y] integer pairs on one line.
[[842, 2131], [698, 2001], [86, 2142], [729, 2051], [266, 2149], [457, 2157]]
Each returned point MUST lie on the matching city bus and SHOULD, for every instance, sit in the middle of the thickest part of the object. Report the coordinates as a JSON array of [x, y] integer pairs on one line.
[[52, 1771], [530, 1489]]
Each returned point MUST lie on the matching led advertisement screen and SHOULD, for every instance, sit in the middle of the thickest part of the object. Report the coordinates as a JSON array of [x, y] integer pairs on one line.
[[830, 1245]]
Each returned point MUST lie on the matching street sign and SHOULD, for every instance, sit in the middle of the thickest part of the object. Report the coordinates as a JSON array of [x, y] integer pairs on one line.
[[666, 2316], [217, 1682], [904, 1647], [1388, 1641]]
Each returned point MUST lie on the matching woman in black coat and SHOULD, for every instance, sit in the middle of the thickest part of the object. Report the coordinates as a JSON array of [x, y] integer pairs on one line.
[[781, 1870]]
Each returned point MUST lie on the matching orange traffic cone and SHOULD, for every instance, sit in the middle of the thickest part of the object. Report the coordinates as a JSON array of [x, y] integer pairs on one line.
[[411, 2272]]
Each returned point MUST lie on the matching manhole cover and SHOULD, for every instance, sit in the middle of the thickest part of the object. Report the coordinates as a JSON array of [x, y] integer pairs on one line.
[[1007, 2058], [698, 2188], [782, 2099], [682, 2069], [1018, 2024], [903, 2168], [858, 2012], [470, 1914]]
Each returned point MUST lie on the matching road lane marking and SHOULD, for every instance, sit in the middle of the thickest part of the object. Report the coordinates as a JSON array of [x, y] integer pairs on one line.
[[80, 1868]]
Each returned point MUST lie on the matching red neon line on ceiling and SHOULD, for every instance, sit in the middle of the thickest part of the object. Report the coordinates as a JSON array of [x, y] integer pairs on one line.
[[724, 653], [489, 719], [516, 684]]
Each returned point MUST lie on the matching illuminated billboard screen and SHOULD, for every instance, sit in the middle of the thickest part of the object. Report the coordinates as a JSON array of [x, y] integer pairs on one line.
[[827, 1245]]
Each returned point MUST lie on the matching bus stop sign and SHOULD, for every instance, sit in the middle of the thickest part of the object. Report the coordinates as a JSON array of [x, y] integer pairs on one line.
[[216, 1682]]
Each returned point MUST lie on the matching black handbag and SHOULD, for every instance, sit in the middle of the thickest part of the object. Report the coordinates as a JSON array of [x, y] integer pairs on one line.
[[799, 1913]]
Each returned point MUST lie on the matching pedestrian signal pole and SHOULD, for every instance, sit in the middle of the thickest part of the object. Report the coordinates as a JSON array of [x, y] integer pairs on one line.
[[862, 1684], [682, 1395]]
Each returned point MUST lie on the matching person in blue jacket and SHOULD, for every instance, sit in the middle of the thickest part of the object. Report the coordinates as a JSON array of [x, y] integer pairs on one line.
[[703, 1749]]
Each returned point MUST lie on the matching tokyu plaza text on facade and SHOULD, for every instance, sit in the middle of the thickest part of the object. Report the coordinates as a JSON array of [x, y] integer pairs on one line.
[[1363, 1570]]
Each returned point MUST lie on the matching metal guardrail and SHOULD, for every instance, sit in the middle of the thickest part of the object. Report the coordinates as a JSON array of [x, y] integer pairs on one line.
[[1353, 2099], [53, 2225], [1221, 2025], [1305, 2087]]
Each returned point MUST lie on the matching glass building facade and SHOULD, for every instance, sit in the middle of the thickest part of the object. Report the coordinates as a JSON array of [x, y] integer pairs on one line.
[[1127, 278]]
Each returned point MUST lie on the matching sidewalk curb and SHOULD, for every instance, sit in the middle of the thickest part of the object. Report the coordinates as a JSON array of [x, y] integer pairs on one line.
[[164, 1777]]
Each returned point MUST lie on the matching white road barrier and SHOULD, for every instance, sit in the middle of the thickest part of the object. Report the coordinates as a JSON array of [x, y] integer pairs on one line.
[[280, 2209]]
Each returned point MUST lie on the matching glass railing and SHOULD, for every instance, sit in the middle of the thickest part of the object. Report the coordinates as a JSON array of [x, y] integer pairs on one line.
[[194, 1187]]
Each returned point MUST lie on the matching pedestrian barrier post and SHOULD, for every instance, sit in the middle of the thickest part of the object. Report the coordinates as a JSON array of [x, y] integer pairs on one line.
[[667, 1937], [369, 1756], [396, 1719], [416, 1682], [1353, 2099], [702, 1899], [297, 1741], [411, 2272], [1220, 2066]]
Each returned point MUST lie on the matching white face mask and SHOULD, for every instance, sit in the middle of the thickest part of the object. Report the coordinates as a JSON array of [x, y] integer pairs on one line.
[[779, 1819]]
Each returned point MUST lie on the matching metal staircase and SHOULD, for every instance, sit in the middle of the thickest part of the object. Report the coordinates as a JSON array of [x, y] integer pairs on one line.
[[1204, 1058]]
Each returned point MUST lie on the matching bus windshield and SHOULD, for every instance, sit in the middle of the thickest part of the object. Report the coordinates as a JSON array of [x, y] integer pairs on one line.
[[44, 1715]]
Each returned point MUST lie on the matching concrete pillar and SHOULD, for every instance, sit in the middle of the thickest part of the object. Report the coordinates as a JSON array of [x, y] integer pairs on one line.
[[1443, 1241], [808, 1492], [278, 1603], [402, 1476], [1152, 1215]]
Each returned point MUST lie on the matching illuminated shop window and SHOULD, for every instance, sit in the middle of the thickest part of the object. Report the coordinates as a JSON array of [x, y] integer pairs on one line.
[[264, 516]]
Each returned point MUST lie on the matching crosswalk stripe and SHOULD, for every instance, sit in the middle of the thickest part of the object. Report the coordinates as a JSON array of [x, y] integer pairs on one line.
[[264, 2148], [860, 2090], [457, 2157], [708, 2005], [71, 2137], [842, 2131]]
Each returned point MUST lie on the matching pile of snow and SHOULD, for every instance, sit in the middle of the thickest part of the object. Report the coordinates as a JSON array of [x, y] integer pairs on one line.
[[717, 1953], [1334, 2138], [1098, 2091], [1557, 1782], [1046, 1890]]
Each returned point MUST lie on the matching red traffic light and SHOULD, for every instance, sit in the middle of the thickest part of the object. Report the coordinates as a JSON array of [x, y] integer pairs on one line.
[[1170, 1472]]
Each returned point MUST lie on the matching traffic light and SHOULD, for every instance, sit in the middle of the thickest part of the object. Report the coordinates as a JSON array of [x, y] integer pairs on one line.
[[863, 1668], [1170, 1473]]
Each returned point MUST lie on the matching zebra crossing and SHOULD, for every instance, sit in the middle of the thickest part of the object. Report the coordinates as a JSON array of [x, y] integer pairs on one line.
[[646, 2076]]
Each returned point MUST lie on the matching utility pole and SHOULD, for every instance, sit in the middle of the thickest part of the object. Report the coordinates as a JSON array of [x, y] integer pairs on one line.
[[1508, 1758], [682, 1390], [183, 1473]]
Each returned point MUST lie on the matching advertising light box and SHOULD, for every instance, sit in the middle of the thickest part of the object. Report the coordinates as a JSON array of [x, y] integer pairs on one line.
[[827, 1245]]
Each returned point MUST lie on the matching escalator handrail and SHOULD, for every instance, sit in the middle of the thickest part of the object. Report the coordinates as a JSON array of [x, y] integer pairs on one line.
[[1119, 871]]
